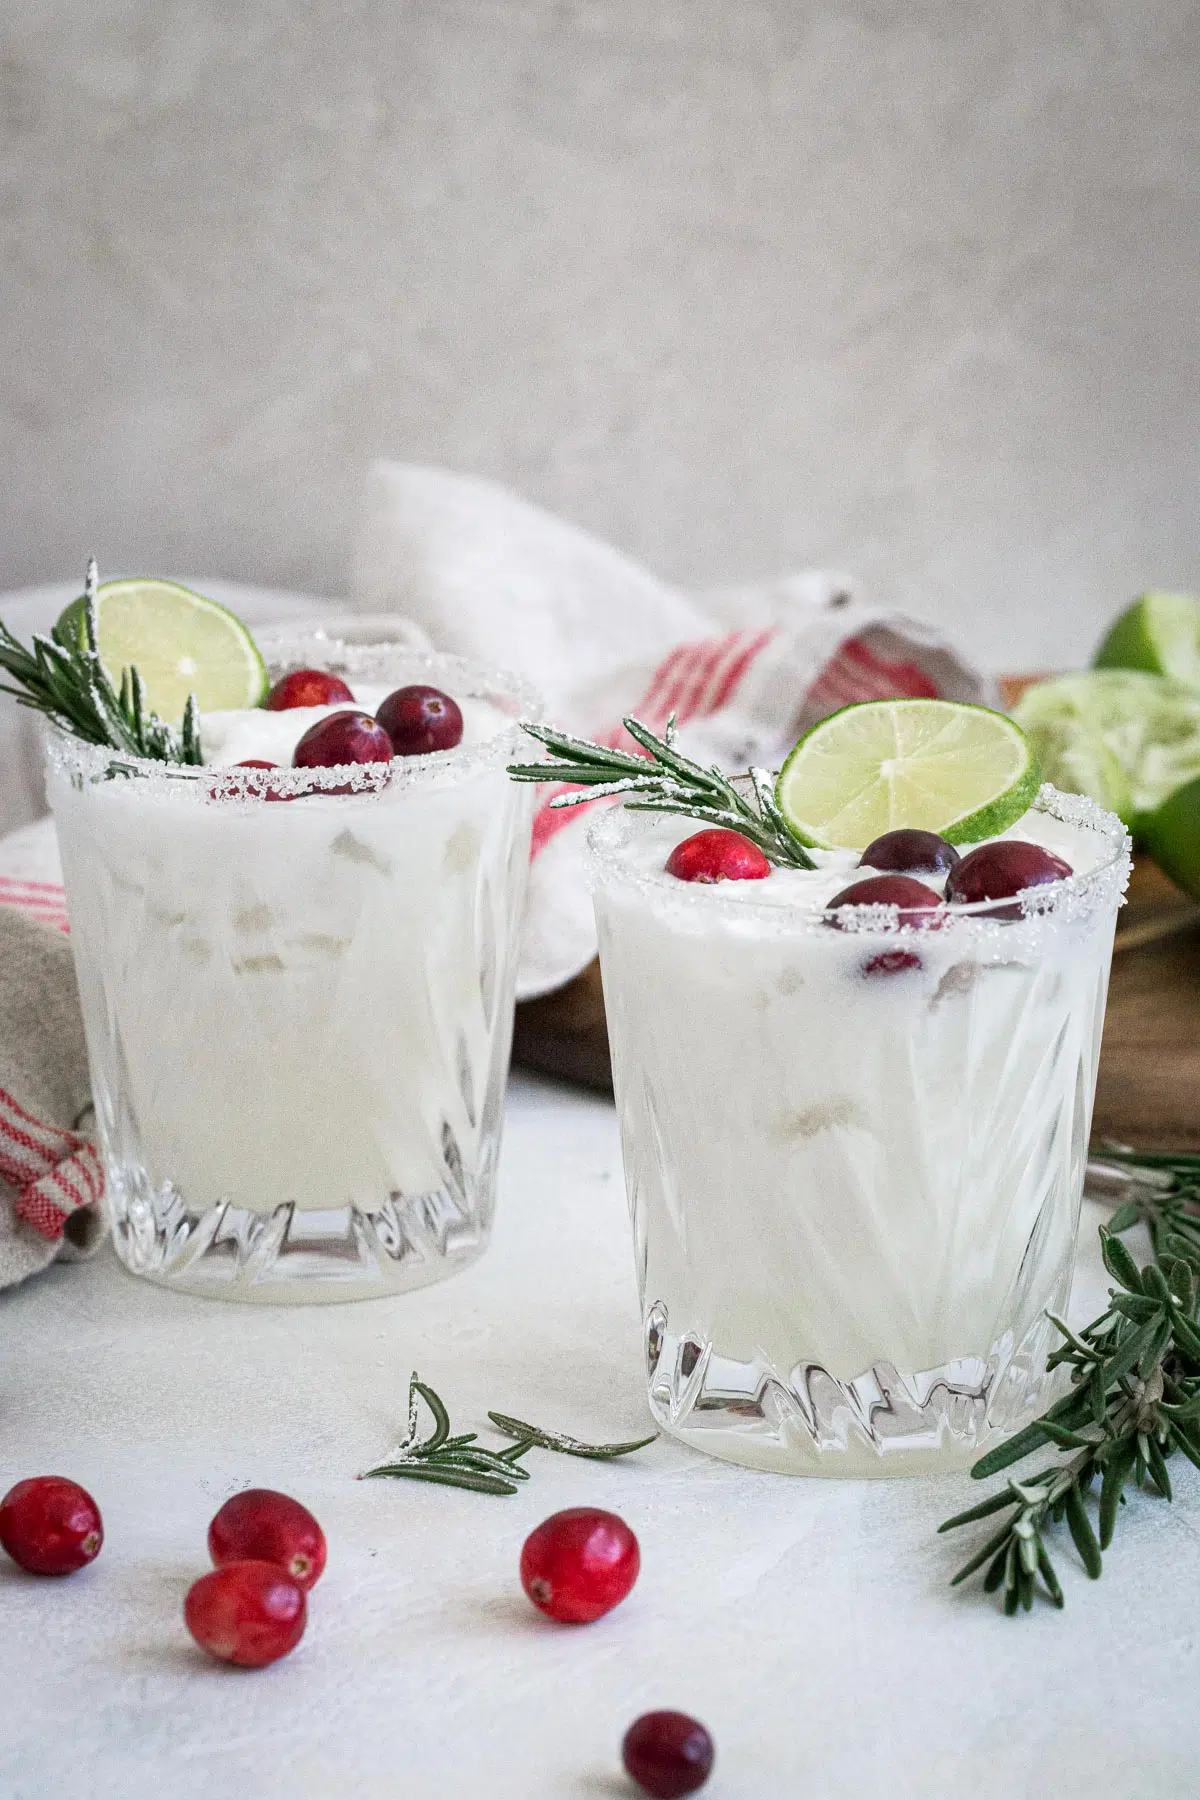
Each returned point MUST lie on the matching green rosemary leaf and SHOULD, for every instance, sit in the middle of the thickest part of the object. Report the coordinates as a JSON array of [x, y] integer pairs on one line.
[[1152, 1354], [1117, 1469], [1158, 1467], [984, 1510], [1004, 1455], [1046, 1571], [442, 1476], [1126, 1356], [995, 1575], [1182, 1441], [1080, 1527], [566, 1446], [999, 1541], [1125, 1217], [1186, 1335], [441, 1418], [1066, 1440], [1119, 1263]]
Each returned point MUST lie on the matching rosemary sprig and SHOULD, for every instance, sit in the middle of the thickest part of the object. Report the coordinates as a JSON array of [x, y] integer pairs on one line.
[[664, 780], [1134, 1401], [1164, 1196], [68, 682], [461, 1461]]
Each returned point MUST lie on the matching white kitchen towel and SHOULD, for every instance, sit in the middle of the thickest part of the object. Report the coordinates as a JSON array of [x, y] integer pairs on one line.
[[744, 669]]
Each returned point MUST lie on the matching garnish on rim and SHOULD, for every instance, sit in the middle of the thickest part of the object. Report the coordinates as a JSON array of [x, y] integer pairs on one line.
[[62, 676], [665, 781], [943, 766]]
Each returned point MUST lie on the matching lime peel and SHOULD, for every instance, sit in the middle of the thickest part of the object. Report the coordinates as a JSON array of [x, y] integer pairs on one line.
[[963, 771]]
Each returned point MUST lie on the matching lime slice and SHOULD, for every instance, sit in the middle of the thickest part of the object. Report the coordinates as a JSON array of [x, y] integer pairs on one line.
[[180, 642], [1171, 834], [1126, 738], [1159, 633], [934, 765]]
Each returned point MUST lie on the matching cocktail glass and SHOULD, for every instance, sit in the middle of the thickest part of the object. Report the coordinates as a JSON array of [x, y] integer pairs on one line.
[[854, 1157], [297, 991]]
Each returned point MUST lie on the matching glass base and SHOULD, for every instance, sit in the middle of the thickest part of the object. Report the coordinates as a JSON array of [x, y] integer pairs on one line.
[[286, 1255], [880, 1423]]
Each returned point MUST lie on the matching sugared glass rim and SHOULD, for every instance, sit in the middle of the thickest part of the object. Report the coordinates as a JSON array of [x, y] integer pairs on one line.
[[285, 649], [728, 903]]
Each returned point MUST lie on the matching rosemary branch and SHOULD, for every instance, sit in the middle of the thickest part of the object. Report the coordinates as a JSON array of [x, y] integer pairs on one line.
[[461, 1461], [66, 680], [664, 780], [1134, 1399]]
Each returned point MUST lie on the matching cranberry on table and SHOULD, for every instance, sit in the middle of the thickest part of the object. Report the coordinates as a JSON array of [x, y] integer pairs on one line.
[[668, 1754], [342, 737], [307, 687], [717, 855], [248, 1613], [1001, 869], [579, 1564], [890, 890], [50, 1526], [909, 852], [262, 1525], [420, 719]]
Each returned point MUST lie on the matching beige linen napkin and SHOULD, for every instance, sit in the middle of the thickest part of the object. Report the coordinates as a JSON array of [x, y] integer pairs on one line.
[[50, 1176]]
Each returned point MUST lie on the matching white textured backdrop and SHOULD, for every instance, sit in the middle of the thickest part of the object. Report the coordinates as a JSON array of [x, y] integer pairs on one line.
[[904, 288]]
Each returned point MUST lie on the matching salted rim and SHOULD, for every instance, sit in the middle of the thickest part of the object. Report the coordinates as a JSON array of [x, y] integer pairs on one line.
[[1075, 896], [285, 650]]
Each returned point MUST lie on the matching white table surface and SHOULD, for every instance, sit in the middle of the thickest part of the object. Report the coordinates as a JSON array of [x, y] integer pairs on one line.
[[808, 1623]]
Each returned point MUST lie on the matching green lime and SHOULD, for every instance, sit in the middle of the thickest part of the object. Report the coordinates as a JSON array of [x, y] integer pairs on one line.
[[932, 765], [1171, 834], [1159, 633], [1124, 737], [180, 642]]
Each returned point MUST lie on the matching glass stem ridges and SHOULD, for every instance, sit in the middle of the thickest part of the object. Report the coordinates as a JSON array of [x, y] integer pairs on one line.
[[1134, 1399], [66, 680], [661, 779]]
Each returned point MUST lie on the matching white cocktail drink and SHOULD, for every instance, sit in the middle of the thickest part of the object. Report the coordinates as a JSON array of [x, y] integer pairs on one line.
[[854, 1148], [298, 1001]]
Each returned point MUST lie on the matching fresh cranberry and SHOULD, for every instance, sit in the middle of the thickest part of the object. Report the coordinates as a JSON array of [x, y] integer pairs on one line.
[[263, 1526], [909, 853], [998, 870], [50, 1525], [891, 962], [249, 1613], [717, 855], [307, 687], [668, 1754], [419, 719], [342, 737], [579, 1564], [912, 897], [255, 762]]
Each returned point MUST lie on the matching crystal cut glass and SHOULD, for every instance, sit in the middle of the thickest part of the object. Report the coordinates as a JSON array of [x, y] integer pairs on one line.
[[854, 1157], [297, 990]]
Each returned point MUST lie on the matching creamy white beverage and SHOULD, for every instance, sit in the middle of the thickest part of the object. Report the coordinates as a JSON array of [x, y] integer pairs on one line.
[[298, 1000], [854, 1142]]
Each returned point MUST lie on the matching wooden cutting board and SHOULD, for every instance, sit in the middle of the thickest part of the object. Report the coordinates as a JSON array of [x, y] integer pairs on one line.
[[1148, 1093]]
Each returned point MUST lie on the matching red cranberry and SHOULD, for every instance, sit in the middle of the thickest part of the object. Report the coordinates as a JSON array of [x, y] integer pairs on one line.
[[668, 1754], [891, 962], [307, 687], [1000, 869], [249, 1613], [912, 897], [909, 853], [717, 855], [50, 1525], [263, 1526], [342, 737], [419, 719], [255, 762], [579, 1564]]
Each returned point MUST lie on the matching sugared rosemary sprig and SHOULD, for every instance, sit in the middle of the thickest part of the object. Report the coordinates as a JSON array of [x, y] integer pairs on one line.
[[67, 681], [461, 1461], [666, 781], [1134, 1401]]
